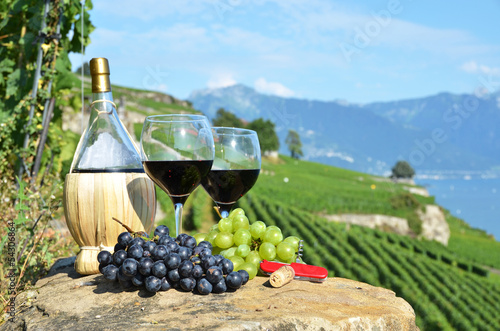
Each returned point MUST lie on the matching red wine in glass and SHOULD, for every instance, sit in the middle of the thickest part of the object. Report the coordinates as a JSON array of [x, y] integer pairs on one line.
[[225, 187], [178, 178], [236, 166], [177, 152]]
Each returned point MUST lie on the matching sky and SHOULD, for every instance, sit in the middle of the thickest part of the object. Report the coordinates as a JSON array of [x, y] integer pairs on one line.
[[360, 52]]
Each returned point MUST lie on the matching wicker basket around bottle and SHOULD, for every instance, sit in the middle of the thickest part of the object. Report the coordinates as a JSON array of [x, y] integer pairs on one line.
[[91, 200]]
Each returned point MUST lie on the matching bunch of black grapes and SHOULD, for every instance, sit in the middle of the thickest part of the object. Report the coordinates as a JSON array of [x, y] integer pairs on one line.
[[163, 262]]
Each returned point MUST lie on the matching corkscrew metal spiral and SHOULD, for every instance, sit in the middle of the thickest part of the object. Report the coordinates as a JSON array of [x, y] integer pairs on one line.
[[300, 252]]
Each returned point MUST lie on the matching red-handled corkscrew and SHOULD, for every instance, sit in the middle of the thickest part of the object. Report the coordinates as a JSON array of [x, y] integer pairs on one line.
[[302, 271]]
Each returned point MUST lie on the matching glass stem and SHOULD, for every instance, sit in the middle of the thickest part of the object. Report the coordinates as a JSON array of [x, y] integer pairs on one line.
[[178, 218], [224, 213]]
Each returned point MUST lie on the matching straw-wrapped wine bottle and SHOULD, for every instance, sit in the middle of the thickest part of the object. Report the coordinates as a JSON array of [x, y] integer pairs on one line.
[[106, 180]]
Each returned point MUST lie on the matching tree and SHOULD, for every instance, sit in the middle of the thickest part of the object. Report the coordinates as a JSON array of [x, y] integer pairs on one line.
[[227, 119], [267, 135], [294, 144], [402, 169], [86, 69]]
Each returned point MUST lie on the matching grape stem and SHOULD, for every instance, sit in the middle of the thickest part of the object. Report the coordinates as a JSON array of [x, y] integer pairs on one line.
[[218, 211], [129, 229]]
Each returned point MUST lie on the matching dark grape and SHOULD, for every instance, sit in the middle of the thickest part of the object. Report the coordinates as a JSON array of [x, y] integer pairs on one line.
[[159, 252], [145, 265], [219, 287], [207, 262], [165, 285], [119, 247], [227, 266], [180, 238], [204, 286], [195, 259], [244, 276], [152, 284], [129, 267], [137, 241], [186, 268], [234, 280], [172, 261], [214, 274], [138, 280], [161, 230], [149, 246], [135, 251], [159, 269], [163, 240], [104, 258], [218, 258], [173, 275], [110, 272], [190, 242], [187, 284], [124, 239], [121, 276], [206, 244], [172, 246], [197, 271], [184, 253], [204, 252], [119, 257]]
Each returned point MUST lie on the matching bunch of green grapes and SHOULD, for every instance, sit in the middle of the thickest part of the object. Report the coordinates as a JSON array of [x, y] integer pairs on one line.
[[247, 244]]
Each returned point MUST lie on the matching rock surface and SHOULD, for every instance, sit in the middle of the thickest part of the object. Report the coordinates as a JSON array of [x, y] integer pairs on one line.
[[434, 225], [66, 301]]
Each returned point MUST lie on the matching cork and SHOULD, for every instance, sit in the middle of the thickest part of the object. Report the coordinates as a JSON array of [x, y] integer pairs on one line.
[[282, 276]]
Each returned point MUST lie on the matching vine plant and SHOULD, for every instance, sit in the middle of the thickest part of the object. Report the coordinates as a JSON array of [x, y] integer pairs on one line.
[[36, 37]]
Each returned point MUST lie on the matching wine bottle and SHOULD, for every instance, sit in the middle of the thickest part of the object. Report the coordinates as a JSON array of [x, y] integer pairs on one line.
[[106, 179]]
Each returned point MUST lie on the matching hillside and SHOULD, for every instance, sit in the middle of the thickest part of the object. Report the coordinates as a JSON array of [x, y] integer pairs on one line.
[[449, 287]]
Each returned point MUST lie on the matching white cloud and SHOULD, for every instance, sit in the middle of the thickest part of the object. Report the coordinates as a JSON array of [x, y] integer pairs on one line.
[[221, 80], [472, 67], [263, 86]]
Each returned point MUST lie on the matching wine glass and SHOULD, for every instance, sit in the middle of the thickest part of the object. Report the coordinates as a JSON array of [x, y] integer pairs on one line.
[[177, 152], [236, 166]]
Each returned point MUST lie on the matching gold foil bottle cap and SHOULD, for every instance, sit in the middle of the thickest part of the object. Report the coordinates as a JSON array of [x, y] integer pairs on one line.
[[99, 70]]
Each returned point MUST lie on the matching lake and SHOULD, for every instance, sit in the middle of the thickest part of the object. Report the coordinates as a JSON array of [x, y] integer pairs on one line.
[[473, 199]]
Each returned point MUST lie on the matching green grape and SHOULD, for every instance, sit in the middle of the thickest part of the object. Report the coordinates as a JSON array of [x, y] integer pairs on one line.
[[267, 251], [240, 222], [243, 250], [253, 257], [257, 229], [235, 212], [214, 227], [200, 237], [272, 236], [227, 253], [237, 261], [250, 268], [211, 237], [285, 251], [224, 239], [273, 227], [294, 241], [226, 225], [242, 237]]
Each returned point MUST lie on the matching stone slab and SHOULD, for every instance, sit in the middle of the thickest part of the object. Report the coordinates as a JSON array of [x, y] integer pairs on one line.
[[65, 300]]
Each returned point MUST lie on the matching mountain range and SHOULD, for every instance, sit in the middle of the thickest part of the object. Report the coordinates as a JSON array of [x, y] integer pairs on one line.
[[443, 132]]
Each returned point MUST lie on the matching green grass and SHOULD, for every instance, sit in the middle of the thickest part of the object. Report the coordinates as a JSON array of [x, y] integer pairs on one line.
[[473, 244], [319, 188]]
